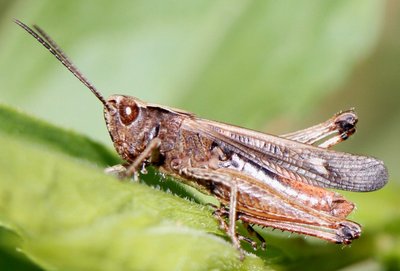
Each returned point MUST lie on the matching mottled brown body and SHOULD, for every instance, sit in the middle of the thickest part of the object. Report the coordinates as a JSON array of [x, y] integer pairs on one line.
[[193, 150], [273, 181]]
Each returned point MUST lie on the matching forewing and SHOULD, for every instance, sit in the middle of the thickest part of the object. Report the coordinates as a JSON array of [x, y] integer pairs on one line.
[[297, 161]]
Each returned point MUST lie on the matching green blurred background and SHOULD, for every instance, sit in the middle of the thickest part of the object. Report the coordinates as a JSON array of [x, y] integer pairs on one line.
[[274, 66]]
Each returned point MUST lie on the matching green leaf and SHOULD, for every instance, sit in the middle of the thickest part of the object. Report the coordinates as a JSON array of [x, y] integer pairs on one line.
[[34, 130]]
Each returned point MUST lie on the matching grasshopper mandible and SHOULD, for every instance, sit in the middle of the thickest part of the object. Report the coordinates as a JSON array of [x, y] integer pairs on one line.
[[259, 179]]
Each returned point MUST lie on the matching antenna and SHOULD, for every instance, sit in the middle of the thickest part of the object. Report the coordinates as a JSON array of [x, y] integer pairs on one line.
[[53, 48]]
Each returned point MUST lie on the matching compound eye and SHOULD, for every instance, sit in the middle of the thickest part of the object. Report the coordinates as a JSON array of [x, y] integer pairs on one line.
[[128, 111]]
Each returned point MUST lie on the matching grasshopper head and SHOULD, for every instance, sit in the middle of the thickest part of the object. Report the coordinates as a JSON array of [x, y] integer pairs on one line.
[[128, 125]]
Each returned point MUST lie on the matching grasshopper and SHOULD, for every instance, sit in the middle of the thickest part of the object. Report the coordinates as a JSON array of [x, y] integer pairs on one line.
[[259, 179]]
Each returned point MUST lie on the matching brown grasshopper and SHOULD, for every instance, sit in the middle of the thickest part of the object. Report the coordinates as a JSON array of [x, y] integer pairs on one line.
[[259, 179]]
